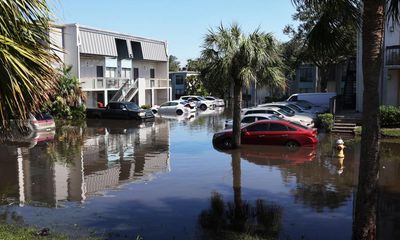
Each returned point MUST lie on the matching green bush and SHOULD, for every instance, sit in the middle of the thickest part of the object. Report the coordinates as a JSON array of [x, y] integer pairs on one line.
[[325, 121], [146, 106], [389, 116]]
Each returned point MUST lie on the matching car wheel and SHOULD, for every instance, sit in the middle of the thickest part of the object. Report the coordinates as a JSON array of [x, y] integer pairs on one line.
[[292, 144], [203, 107], [227, 143], [179, 112]]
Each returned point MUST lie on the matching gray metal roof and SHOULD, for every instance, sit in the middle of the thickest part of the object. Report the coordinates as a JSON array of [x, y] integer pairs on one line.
[[99, 42]]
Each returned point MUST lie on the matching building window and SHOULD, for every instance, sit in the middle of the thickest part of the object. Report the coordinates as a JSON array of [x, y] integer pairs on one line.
[[306, 75], [126, 73], [152, 73], [110, 72], [179, 80]]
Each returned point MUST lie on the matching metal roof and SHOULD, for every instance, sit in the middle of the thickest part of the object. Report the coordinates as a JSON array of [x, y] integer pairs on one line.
[[99, 42]]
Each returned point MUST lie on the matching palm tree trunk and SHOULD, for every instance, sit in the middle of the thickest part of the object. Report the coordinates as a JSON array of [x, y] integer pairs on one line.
[[364, 225], [237, 105]]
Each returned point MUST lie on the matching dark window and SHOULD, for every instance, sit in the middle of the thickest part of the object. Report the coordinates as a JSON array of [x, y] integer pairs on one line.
[[179, 80], [152, 73], [132, 106], [293, 99], [100, 71], [248, 119], [185, 98], [173, 103], [277, 127], [306, 75], [210, 98], [135, 73], [262, 118], [261, 127], [164, 105], [113, 106]]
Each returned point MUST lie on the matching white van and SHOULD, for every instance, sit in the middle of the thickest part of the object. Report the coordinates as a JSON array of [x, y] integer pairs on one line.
[[319, 99]]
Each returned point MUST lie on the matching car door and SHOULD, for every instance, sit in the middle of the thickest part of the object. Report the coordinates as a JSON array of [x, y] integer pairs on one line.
[[254, 133], [277, 134], [164, 108], [172, 107], [248, 119]]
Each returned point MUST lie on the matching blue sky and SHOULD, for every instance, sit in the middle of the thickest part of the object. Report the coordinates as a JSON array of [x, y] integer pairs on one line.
[[182, 23]]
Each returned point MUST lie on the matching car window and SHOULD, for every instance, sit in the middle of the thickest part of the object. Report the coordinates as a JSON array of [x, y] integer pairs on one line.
[[248, 119], [285, 113], [164, 105], [299, 125], [287, 109], [274, 127], [132, 106], [173, 103], [201, 98], [297, 108], [209, 98], [113, 105], [194, 99], [258, 127], [261, 118], [185, 98], [43, 116], [292, 99]]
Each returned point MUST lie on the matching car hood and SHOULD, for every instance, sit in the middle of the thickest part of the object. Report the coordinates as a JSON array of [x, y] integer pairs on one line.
[[301, 118]]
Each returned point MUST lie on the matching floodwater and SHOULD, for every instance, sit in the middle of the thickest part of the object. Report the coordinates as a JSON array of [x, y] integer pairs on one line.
[[165, 180]]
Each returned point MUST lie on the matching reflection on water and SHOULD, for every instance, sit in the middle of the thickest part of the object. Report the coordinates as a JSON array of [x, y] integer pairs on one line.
[[122, 179], [78, 162]]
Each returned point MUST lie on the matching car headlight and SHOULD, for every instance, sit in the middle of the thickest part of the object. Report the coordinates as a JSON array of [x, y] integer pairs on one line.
[[142, 114]]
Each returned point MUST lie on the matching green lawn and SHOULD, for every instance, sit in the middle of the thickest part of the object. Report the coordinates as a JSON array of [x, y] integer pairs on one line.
[[385, 132], [8, 232]]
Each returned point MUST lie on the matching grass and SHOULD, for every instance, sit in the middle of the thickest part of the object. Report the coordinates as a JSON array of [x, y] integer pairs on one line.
[[385, 132], [10, 232]]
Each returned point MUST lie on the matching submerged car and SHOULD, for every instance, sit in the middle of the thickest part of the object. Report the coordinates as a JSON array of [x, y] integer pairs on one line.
[[41, 122], [178, 107], [200, 102], [217, 101], [270, 132], [247, 119]]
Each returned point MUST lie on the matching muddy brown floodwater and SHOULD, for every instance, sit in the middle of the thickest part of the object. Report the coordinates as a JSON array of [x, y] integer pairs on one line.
[[165, 180]]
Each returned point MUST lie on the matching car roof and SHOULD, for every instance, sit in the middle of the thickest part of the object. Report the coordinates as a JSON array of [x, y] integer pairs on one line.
[[260, 115], [261, 108]]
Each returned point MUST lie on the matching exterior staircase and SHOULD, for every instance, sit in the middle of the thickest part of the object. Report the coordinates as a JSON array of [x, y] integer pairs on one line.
[[126, 92], [346, 124]]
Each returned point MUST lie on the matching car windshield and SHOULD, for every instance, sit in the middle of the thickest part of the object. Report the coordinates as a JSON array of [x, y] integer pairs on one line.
[[274, 117], [132, 106], [43, 116], [285, 113], [299, 125], [295, 107]]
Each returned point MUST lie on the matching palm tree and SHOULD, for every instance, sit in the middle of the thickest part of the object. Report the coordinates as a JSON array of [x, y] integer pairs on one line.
[[26, 56], [234, 59], [372, 17]]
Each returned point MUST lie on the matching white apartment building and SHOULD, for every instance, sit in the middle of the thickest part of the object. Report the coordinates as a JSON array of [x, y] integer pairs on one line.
[[115, 66], [389, 89]]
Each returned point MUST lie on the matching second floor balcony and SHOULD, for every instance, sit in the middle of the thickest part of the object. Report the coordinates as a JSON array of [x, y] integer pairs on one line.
[[99, 84]]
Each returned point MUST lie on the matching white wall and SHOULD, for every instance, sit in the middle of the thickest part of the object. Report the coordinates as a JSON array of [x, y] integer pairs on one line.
[[71, 56], [56, 38], [161, 69]]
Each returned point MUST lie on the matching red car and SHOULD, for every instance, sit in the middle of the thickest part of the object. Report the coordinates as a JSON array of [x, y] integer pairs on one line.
[[270, 132]]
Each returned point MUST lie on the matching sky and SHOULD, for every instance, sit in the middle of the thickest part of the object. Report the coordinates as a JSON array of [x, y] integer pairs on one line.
[[182, 23]]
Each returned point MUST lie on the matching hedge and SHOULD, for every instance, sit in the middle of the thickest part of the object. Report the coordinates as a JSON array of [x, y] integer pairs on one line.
[[325, 121]]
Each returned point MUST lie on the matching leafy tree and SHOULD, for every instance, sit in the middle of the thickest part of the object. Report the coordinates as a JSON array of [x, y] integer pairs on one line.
[[26, 55], [232, 57], [194, 86], [194, 65], [337, 31], [67, 102], [173, 63]]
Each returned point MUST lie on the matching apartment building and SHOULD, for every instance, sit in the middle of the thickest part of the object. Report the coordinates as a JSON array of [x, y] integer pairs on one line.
[[115, 66], [178, 82]]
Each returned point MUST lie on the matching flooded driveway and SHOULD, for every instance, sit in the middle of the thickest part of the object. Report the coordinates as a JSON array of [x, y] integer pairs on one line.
[[165, 180]]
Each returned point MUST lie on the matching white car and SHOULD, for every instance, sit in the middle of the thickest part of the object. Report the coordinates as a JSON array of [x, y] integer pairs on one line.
[[289, 107], [306, 105], [200, 102], [303, 120], [178, 107], [250, 118], [217, 101]]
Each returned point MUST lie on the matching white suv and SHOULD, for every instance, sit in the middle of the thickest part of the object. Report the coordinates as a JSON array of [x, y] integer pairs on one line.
[[217, 101], [201, 102]]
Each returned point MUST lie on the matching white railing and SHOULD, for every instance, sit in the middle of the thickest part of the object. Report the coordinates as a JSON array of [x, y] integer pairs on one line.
[[157, 83], [102, 83]]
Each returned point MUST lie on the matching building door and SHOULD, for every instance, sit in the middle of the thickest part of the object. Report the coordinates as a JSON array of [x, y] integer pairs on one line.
[[135, 73], [99, 75]]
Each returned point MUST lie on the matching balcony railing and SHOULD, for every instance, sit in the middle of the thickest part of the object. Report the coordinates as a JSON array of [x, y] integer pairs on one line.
[[157, 83], [393, 55], [102, 83]]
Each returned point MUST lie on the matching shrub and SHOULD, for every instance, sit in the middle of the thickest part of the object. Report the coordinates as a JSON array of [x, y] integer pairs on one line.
[[389, 116], [146, 106], [325, 122]]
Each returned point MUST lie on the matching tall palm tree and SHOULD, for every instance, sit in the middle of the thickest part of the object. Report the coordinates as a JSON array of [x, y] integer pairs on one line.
[[27, 77], [372, 17], [234, 58]]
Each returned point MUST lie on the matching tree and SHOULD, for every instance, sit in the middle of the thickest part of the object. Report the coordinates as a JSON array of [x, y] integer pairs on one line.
[[339, 39], [372, 17], [173, 63], [66, 103], [28, 78], [194, 65], [194, 86], [234, 58]]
